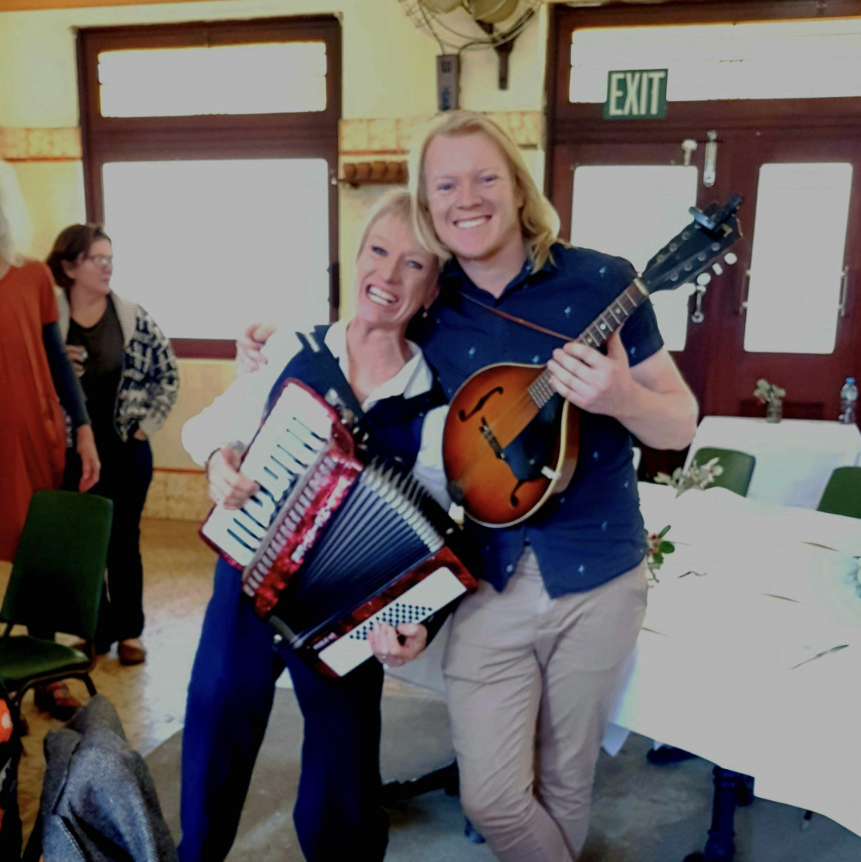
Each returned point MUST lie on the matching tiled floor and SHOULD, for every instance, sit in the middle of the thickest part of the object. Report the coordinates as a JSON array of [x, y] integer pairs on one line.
[[149, 698]]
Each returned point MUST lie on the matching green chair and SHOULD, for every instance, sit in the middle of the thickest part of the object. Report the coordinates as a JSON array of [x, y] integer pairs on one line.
[[737, 468], [56, 585], [842, 494]]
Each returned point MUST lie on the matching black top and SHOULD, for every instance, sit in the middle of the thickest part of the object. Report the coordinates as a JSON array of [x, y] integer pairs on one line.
[[102, 369], [65, 382]]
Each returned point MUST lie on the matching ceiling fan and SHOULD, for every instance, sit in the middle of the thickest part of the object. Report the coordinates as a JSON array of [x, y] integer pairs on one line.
[[462, 25]]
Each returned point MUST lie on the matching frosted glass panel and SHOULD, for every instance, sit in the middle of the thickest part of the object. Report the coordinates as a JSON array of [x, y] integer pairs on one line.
[[271, 78], [801, 216], [208, 246], [763, 60], [633, 211]]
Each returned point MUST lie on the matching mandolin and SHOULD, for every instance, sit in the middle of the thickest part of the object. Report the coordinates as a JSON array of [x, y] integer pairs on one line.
[[508, 443]]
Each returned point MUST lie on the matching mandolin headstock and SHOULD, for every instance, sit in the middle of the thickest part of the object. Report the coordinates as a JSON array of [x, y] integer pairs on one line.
[[698, 247]]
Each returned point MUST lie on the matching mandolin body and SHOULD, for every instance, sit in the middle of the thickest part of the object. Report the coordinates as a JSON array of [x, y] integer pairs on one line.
[[503, 455]]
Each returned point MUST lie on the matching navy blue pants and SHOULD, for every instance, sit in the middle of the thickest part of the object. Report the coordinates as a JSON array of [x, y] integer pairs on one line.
[[230, 696]]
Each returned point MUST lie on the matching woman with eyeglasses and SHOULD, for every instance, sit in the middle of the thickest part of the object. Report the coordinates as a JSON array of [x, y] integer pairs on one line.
[[130, 377]]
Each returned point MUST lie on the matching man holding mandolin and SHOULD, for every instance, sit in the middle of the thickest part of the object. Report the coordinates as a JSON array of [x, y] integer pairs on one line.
[[535, 656]]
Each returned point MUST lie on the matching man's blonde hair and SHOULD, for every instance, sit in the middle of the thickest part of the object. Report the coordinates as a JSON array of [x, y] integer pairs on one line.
[[539, 222]]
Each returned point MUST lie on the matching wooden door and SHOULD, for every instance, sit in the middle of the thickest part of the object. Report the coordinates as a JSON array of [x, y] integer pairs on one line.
[[790, 313]]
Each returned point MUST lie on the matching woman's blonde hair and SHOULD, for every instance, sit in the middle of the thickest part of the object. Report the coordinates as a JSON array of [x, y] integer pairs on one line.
[[539, 222], [395, 202], [14, 218]]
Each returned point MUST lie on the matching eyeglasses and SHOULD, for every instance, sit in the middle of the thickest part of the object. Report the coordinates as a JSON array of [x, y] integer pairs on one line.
[[102, 260]]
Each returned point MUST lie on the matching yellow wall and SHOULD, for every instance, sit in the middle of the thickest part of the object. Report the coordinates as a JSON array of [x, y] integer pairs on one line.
[[388, 72]]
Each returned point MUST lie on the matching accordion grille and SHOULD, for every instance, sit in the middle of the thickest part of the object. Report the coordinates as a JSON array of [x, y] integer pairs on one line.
[[382, 530]]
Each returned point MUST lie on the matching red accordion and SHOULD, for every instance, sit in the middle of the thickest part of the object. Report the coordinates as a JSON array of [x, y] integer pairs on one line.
[[364, 539]]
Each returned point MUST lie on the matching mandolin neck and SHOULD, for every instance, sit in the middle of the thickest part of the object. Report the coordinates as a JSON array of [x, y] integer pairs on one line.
[[595, 334]]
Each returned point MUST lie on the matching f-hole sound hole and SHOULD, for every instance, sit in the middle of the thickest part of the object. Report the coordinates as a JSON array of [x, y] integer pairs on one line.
[[515, 502], [463, 415]]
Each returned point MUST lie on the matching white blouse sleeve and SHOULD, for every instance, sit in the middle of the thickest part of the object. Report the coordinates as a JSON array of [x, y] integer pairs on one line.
[[428, 468], [235, 415]]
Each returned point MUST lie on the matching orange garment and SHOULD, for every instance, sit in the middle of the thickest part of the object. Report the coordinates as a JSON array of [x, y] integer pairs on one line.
[[32, 431]]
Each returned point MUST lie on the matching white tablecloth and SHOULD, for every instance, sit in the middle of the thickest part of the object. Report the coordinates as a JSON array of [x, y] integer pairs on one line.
[[752, 591], [794, 458]]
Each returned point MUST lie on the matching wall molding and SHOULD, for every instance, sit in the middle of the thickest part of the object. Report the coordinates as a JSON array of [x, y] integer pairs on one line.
[[357, 138], [393, 137], [40, 145]]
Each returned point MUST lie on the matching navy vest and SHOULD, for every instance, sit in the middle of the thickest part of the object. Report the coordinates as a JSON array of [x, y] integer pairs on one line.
[[394, 425]]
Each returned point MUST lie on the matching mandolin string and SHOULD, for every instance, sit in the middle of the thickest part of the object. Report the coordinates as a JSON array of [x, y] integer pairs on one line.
[[526, 399]]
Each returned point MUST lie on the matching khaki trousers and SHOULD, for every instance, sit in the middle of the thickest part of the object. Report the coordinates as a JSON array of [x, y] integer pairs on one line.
[[530, 682]]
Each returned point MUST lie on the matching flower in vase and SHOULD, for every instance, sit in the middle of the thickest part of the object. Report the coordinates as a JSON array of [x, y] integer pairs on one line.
[[656, 548], [698, 476], [768, 393]]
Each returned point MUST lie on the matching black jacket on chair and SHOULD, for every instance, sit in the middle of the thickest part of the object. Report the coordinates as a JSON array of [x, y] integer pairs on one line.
[[98, 801]]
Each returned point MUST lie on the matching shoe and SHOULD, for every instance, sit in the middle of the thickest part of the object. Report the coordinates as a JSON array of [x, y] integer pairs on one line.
[[98, 648], [56, 699], [131, 651]]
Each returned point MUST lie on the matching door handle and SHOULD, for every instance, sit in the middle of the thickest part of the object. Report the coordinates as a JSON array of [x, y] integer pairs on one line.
[[844, 291], [745, 285], [697, 316]]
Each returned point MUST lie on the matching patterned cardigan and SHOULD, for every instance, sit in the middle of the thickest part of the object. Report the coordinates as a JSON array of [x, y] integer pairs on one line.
[[150, 379]]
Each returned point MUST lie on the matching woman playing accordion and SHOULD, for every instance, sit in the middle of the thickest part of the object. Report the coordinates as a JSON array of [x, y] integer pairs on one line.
[[238, 660]]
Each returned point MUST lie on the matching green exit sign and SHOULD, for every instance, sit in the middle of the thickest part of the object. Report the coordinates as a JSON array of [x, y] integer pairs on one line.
[[636, 95]]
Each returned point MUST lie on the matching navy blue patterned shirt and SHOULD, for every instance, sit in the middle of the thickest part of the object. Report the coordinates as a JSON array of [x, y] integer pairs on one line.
[[593, 531]]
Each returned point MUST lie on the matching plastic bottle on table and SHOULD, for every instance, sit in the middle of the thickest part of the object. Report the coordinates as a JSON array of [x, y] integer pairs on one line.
[[849, 402]]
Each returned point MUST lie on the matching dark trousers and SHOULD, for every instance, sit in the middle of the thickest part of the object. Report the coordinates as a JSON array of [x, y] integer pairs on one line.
[[338, 812], [125, 478]]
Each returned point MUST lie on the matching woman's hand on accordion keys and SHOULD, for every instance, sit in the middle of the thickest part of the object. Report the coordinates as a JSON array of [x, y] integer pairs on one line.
[[228, 487], [395, 647]]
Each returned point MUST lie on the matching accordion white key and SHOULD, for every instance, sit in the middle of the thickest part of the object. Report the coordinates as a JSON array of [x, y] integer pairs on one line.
[[365, 542]]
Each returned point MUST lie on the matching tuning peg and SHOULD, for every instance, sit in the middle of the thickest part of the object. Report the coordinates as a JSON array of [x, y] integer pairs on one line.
[[703, 279], [717, 269], [730, 259]]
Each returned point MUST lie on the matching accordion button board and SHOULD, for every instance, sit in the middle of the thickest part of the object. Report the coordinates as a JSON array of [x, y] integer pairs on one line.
[[415, 605]]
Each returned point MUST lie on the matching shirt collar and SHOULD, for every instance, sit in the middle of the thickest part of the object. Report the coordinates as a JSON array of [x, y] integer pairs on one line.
[[453, 274], [415, 378]]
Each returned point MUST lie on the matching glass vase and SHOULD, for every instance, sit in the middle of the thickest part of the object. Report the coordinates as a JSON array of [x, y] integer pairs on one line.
[[774, 411]]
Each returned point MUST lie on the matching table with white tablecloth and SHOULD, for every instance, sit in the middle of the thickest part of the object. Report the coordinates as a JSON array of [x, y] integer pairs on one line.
[[794, 457], [725, 665], [750, 652]]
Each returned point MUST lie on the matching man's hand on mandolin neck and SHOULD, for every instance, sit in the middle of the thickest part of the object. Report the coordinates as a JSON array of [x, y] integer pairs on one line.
[[651, 399]]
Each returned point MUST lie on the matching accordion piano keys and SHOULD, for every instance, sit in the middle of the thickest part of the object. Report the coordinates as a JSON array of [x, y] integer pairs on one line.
[[283, 450]]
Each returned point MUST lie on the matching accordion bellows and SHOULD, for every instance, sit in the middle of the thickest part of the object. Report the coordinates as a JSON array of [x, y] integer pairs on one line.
[[364, 541]]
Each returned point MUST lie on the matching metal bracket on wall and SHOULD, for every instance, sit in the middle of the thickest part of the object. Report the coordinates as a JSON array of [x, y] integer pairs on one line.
[[688, 147]]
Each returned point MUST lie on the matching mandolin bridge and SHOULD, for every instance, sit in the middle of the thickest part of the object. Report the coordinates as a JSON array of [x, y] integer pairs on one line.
[[491, 439]]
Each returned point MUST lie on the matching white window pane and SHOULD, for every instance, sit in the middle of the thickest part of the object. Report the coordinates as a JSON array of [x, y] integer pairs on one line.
[[633, 211], [208, 246], [763, 60], [801, 217], [269, 78]]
